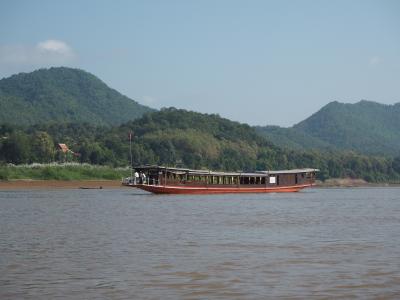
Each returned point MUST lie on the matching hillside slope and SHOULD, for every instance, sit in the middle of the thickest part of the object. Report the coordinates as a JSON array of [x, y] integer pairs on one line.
[[180, 137], [366, 127], [63, 95], [290, 138]]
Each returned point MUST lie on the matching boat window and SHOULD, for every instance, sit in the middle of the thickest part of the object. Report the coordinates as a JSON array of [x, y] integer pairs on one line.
[[272, 180], [244, 180]]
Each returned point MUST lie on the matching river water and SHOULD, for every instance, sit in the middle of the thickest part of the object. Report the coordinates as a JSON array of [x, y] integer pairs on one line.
[[126, 244]]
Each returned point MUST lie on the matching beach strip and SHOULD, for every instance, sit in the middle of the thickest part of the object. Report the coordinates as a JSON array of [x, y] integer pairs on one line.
[[60, 184]]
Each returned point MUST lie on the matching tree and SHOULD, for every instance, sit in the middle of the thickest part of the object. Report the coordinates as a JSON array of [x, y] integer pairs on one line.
[[396, 164], [42, 147], [16, 148]]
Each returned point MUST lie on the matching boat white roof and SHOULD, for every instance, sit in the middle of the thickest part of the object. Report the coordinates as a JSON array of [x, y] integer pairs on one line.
[[182, 171], [305, 170]]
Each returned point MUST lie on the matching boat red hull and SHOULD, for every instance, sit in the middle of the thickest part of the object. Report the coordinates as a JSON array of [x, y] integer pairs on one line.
[[158, 189]]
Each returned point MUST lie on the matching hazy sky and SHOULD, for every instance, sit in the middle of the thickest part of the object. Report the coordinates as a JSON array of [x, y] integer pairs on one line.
[[259, 62]]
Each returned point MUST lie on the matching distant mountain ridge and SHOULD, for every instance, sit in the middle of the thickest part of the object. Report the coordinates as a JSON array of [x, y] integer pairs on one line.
[[64, 95], [67, 95], [366, 127]]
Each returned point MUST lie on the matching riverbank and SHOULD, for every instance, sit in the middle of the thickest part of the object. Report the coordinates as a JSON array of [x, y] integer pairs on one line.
[[61, 172], [348, 182], [60, 184]]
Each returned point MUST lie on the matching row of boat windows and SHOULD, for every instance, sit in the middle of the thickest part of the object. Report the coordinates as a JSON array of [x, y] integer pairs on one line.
[[228, 180]]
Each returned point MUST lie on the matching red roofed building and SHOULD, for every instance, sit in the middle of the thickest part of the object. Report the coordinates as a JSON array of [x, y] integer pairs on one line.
[[64, 148]]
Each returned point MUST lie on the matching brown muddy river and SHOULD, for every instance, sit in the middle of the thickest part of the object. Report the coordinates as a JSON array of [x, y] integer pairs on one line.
[[125, 244]]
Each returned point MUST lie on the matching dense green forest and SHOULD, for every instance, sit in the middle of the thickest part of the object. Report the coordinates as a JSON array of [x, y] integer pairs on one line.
[[365, 127], [63, 95], [290, 138], [176, 137], [43, 108]]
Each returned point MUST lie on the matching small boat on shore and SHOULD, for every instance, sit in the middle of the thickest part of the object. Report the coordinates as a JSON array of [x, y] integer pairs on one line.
[[90, 188], [165, 180]]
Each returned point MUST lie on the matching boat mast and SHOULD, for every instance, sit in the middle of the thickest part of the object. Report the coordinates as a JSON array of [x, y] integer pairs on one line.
[[130, 151]]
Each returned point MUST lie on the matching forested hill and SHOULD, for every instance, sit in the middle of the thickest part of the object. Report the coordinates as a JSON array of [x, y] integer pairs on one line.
[[179, 137], [175, 137], [63, 95], [366, 127]]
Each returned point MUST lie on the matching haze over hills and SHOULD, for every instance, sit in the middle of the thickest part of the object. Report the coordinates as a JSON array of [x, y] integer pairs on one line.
[[366, 127], [64, 95]]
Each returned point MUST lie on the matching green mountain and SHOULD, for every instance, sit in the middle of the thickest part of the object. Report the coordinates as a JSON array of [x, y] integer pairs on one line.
[[365, 127], [169, 137], [38, 110], [290, 138], [63, 95], [181, 138]]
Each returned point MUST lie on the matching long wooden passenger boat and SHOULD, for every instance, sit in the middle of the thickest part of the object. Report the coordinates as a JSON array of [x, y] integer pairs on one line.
[[165, 180]]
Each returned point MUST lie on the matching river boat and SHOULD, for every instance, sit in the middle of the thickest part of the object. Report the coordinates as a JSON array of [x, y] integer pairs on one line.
[[166, 180]]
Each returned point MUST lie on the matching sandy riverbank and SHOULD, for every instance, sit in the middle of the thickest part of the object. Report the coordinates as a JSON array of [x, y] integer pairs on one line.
[[349, 183], [342, 182], [60, 184]]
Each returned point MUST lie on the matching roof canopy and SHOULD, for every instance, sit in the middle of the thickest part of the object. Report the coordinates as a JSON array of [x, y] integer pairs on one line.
[[182, 171]]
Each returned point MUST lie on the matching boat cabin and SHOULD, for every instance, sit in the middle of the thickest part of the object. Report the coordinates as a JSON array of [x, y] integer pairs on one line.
[[165, 176]]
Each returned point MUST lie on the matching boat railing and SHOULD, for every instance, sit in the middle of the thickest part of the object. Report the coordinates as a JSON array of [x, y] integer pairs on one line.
[[148, 181], [128, 181], [135, 181], [153, 181]]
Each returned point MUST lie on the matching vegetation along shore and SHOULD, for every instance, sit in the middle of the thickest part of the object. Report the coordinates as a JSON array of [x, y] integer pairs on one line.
[[65, 172], [59, 184]]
